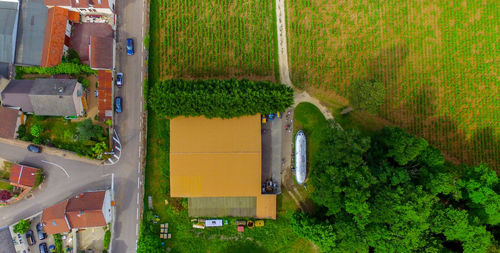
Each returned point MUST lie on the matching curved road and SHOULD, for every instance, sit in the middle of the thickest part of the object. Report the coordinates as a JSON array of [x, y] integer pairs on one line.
[[88, 176]]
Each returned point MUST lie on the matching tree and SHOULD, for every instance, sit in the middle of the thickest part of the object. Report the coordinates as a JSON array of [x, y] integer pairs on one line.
[[400, 145], [367, 95], [36, 130], [320, 233], [478, 187], [22, 226], [88, 131], [98, 149]]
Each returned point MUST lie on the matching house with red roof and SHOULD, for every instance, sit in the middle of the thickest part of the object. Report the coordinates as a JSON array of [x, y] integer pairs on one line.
[[23, 176], [85, 210]]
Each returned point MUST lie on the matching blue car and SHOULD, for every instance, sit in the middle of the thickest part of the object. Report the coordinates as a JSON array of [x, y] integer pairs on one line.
[[118, 104], [34, 148], [43, 248], [130, 46]]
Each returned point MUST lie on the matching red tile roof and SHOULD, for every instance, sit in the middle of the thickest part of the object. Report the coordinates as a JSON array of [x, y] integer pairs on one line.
[[85, 210], [22, 175], [74, 16], [9, 122], [101, 52], [54, 219], [53, 42], [105, 91]]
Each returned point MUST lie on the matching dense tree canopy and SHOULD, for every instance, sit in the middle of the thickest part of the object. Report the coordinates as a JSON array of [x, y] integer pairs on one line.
[[394, 193], [218, 98]]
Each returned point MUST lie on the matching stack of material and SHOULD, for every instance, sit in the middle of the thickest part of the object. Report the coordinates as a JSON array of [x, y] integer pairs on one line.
[[164, 231]]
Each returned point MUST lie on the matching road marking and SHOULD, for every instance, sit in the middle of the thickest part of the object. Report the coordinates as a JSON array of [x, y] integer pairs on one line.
[[137, 229], [114, 138], [57, 165], [139, 152], [137, 212], [137, 198], [140, 138], [119, 149], [139, 168], [142, 78], [138, 184]]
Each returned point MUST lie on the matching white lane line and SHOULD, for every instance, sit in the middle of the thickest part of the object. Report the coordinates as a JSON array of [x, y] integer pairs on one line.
[[139, 168], [119, 149], [140, 138], [116, 156], [137, 198], [139, 152], [137, 212], [137, 229], [142, 78], [138, 184], [57, 165]]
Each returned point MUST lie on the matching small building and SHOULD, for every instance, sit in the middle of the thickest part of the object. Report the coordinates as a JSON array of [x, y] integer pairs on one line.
[[85, 210], [101, 53], [10, 122], [48, 97], [23, 176], [84, 6], [105, 98], [9, 16], [216, 163]]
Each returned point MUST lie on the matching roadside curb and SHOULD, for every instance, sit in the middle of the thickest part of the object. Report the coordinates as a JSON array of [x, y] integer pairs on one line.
[[52, 151]]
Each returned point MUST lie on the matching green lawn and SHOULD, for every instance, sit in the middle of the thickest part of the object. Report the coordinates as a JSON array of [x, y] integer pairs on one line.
[[310, 119], [61, 133], [275, 236], [5, 186], [213, 38], [436, 58]]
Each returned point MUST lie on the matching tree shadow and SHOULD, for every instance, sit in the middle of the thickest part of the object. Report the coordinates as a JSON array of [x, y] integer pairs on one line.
[[385, 66]]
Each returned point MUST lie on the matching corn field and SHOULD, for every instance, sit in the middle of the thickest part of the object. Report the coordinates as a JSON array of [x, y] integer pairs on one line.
[[439, 60], [212, 39]]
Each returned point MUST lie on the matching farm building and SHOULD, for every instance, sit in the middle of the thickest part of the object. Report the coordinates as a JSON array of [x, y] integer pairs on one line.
[[216, 163]]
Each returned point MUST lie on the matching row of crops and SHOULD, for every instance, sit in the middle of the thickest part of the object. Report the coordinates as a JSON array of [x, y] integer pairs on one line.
[[437, 59], [215, 38]]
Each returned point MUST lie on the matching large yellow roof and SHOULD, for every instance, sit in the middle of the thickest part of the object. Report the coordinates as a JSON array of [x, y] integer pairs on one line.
[[215, 157]]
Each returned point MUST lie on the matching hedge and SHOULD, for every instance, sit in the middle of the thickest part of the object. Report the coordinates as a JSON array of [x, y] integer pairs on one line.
[[218, 98], [68, 68]]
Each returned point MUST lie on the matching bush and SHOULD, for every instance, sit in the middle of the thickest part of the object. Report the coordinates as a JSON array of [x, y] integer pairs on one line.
[[218, 98], [22, 227], [71, 56], [5, 195], [58, 243], [107, 239], [68, 68], [85, 82], [36, 130]]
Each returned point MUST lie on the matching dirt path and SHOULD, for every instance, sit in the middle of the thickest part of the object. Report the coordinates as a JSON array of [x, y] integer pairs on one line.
[[305, 97], [282, 48]]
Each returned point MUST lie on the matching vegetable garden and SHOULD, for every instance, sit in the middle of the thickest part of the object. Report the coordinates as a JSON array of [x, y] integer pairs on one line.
[[437, 60], [213, 38]]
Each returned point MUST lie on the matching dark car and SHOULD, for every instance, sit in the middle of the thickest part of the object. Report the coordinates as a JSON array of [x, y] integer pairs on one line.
[[52, 249], [130, 46], [119, 79], [30, 237], [118, 104], [34, 148], [43, 248], [39, 231]]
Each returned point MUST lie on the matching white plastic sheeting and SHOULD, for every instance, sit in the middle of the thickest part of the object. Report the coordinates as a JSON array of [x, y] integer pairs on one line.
[[300, 157]]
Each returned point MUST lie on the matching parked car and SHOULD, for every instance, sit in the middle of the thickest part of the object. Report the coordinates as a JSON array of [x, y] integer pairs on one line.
[[39, 231], [30, 237], [119, 79], [34, 148], [43, 248], [118, 104], [130, 46], [52, 249]]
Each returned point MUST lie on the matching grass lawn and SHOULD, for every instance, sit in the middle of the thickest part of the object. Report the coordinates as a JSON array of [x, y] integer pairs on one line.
[[275, 236], [310, 119], [213, 39], [61, 133], [5, 186], [436, 58]]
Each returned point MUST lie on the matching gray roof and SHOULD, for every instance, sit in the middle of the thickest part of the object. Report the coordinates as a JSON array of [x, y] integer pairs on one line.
[[31, 31], [6, 244], [52, 97], [8, 16], [16, 94]]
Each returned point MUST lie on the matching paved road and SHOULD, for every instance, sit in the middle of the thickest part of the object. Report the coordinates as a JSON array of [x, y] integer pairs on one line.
[[88, 176]]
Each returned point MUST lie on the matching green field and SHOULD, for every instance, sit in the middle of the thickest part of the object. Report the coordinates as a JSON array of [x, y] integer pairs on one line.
[[213, 38], [438, 60]]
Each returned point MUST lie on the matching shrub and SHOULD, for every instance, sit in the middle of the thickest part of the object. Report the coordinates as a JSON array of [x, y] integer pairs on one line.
[[107, 239], [68, 68], [218, 98], [22, 227], [36, 130], [5, 195], [85, 82], [58, 243]]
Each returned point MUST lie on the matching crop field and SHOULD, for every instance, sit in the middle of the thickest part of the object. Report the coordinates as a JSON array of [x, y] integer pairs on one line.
[[213, 39], [439, 61]]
